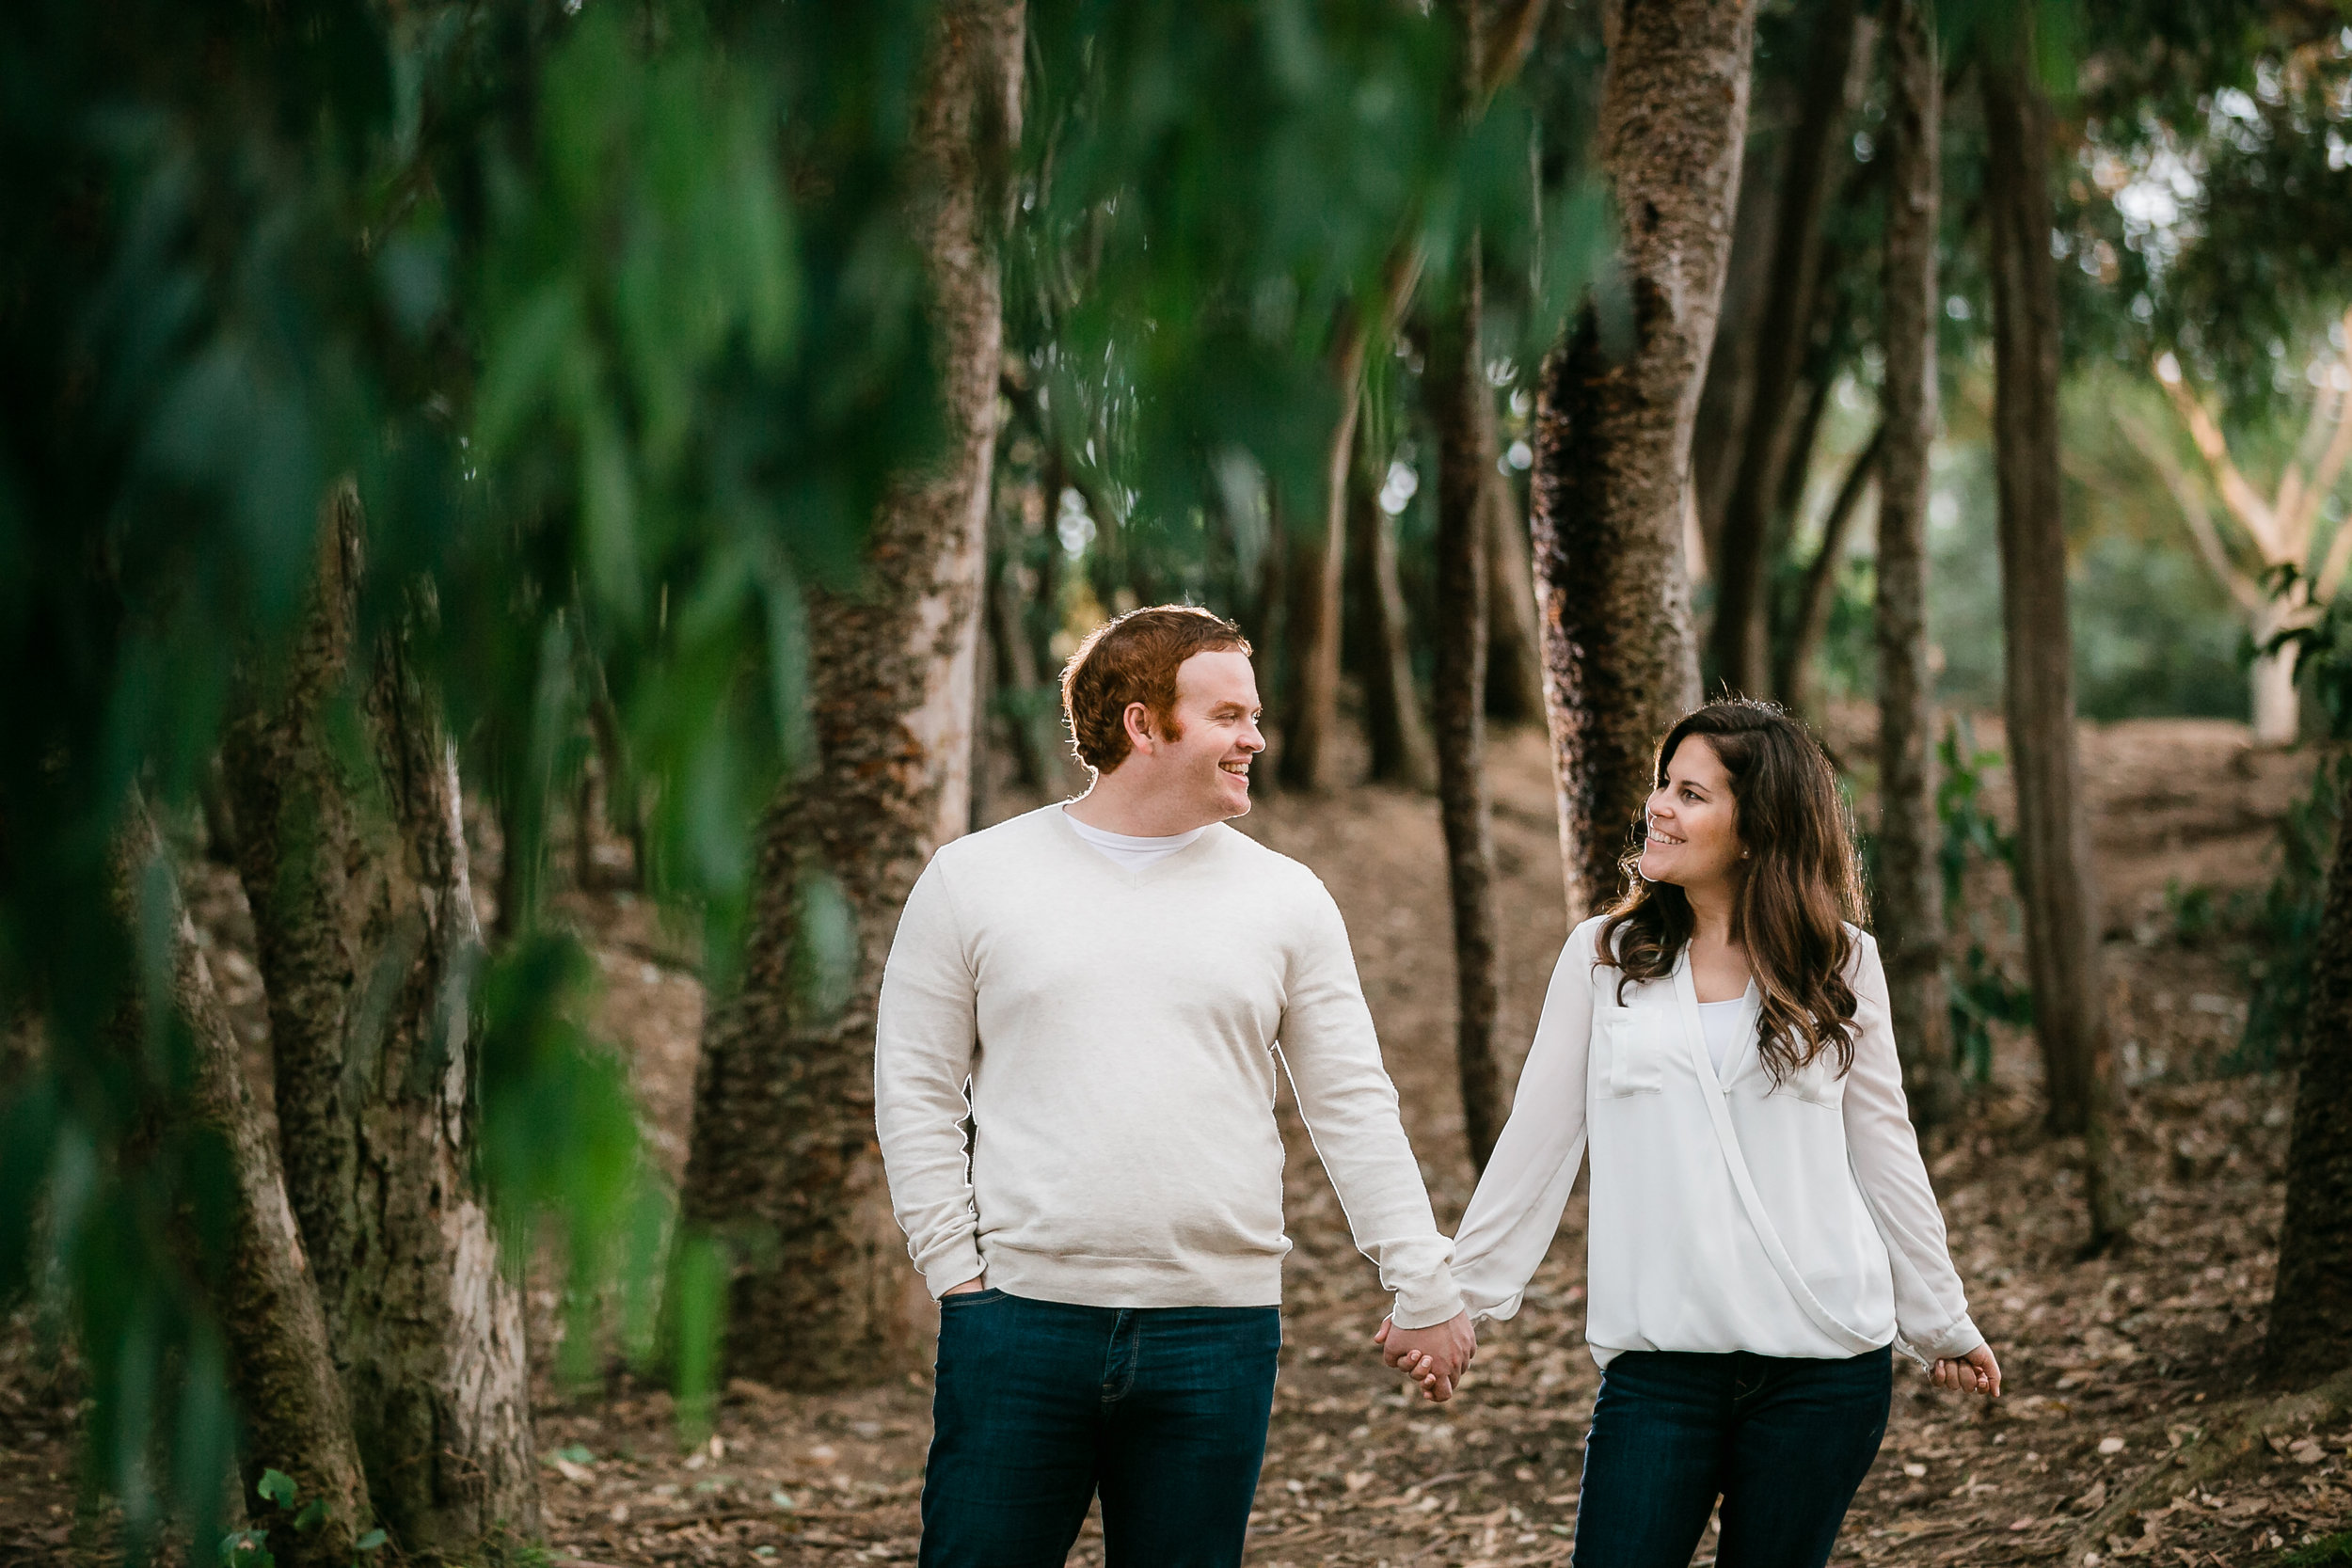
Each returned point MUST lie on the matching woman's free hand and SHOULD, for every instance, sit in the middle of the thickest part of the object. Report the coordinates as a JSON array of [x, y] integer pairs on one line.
[[1974, 1373]]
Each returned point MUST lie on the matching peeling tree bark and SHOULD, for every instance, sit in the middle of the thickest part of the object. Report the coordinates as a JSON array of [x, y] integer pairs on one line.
[[295, 1418], [1910, 892], [364, 923], [2061, 903], [783, 1157], [1613, 431]]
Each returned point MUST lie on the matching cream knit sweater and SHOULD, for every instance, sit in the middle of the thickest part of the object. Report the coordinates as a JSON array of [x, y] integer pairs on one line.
[[1110, 1039]]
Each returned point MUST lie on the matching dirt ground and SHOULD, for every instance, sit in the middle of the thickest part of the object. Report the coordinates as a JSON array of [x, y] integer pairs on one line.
[[2110, 1363]]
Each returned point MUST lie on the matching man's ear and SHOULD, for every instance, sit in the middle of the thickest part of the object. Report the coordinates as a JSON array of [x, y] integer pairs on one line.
[[1140, 732]]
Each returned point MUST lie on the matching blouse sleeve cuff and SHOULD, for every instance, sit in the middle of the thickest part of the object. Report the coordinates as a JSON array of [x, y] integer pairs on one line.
[[1951, 1343]]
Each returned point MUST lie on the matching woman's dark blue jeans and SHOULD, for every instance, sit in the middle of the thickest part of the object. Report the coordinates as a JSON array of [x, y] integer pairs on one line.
[[1784, 1442], [1039, 1404]]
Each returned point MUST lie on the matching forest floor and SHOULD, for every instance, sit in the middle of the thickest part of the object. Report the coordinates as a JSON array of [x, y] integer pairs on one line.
[[2111, 1364]]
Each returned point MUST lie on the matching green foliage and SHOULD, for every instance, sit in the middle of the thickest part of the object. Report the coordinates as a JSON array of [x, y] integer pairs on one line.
[[250, 1549], [1211, 193], [612, 322], [2328, 1551], [1982, 992], [2210, 213], [2196, 915], [2283, 924]]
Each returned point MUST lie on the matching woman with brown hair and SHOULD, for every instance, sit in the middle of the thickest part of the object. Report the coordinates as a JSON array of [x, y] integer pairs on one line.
[[1762, 1228]]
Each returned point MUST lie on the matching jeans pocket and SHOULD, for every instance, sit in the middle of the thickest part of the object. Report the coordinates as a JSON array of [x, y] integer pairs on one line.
[[970, 1298]]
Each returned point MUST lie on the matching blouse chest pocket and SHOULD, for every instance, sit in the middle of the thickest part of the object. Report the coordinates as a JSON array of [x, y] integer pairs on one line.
[[1818, 1082], [1633, 1045]]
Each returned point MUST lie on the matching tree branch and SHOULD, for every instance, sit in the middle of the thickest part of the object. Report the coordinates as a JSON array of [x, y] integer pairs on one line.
[[2244, 503], [2193, 510]]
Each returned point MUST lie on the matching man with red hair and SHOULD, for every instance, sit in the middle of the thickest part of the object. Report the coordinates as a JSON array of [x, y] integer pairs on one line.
[[1097, 990]]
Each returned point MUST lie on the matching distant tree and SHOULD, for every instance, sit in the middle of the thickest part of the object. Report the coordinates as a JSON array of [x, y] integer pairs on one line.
[[1396, 730], [2284, 587], [1495, 42], [1456, 390], [1908, 898], [2061, 899], [1740, 641], [1515, 650], [784, 1160], [1318, 545], [1613, 421]]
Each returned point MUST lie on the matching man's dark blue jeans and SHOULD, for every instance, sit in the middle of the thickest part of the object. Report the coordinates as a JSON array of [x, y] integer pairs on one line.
[[1782, 1442], [1041, 1404]]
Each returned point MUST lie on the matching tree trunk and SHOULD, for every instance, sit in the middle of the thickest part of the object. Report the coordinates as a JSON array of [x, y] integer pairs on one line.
[[1460, 404], [1739, 645], [1792, 662], [1402, 751], [368, 943], [2277, 708], [1035, 750], [2060, 901], [1727, 399], [294, 1416], [2310, 1307], [1910, 892], [1515, 655], [1612, 435], [784, 1160], [1318, 563]]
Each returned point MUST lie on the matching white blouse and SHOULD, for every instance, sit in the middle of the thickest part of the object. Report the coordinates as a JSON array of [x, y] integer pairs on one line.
[[1836, 1246]]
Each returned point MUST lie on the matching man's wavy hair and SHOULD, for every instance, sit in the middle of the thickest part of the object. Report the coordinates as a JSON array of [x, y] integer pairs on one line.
[[1134, 660], [1800, 885]]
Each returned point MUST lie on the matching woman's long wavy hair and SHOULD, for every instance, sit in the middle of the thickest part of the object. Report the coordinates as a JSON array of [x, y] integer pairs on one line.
[[1799, 885]]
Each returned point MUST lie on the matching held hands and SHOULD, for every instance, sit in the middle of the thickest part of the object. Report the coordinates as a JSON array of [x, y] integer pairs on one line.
[[1436, 1358], [1974, 1373]]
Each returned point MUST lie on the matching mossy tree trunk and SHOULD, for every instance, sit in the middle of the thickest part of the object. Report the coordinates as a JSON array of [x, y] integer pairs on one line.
[[784, 1158], [1613, 425], [297, 1418], [369, 946]]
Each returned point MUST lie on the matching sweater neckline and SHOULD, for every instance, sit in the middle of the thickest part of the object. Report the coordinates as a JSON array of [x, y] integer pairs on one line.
[[1067, 832]]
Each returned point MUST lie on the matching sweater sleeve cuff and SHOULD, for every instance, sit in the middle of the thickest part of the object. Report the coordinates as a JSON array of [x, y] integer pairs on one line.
[[1428, 1301], [951, 1268], [1953, 1342]]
